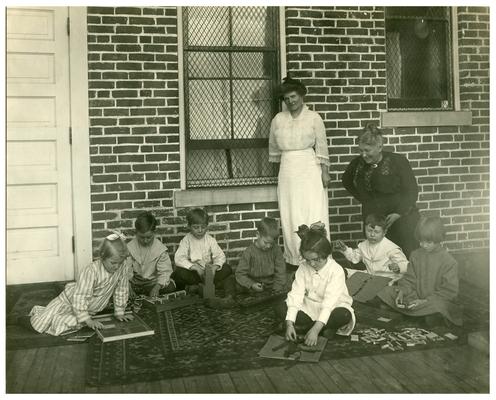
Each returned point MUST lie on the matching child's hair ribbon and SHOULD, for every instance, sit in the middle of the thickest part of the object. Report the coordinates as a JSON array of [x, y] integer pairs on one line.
[[116, 235]]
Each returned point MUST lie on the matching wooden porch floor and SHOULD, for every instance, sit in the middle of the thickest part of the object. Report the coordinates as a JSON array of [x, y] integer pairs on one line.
[[460, 369]]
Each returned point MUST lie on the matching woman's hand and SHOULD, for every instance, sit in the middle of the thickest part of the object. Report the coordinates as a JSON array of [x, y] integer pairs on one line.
[[94, 324], [325, 176], [391, 219], [290, 331], [125, 317]]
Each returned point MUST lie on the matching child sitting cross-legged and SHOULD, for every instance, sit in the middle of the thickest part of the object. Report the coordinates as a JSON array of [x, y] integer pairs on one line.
[[98, 282], [430, 286], [262, 266], [318, 302], [152, 267], [381, 256], [197, 251]]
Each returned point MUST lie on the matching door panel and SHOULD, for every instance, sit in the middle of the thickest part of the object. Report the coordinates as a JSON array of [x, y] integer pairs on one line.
[[39, 198]]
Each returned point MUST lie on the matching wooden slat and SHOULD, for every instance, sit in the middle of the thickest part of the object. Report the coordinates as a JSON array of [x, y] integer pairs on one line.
[[281, 380], [386, 382], [314, 382], [327, 382], [303, 384], [178, 385], [385, 362], [35, 371], [19, 368], [264, 382], [336, 378], [345, 368], [75, 373], [226, 383], [48, 370]]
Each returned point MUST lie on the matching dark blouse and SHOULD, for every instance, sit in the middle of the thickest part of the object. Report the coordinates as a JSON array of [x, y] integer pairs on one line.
[[383, 188]]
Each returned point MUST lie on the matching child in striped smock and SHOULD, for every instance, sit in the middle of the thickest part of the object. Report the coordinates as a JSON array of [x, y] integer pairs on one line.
[[262, 266], [105, 277]]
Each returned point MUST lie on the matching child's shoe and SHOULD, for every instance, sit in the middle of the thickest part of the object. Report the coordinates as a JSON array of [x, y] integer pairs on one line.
[[328, 333]]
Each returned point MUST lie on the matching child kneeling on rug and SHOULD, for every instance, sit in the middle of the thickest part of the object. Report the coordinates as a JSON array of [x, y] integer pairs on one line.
[[262, 266], [152, 267], [430, 286], [197, 251], [318, 301], [380, 256], [98, 282]]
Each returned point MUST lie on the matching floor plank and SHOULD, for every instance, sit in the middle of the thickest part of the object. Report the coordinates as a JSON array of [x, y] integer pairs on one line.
[[36, 371], [281, 380], [346, 369], [20, 364], [320, 374], [264, 382], [384, 360], [313, 381], [226, 383], [336, 378], [386, 382]]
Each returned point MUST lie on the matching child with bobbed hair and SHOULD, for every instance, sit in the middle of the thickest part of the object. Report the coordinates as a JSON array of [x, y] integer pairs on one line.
[[262, 266], [199, 250], [152, 267], [430, 286], [105, 277], [318, 302], [380, 255]]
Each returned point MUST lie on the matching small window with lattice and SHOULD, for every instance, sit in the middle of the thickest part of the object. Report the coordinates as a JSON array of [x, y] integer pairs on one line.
[[231, 71], [419, 72]]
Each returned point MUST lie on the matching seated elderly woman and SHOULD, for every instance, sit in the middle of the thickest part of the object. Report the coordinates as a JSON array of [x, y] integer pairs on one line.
[[385, 184]]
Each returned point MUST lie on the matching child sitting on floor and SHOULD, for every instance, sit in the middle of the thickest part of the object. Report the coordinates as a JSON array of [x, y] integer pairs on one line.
[[318, 301], [152, 267], [380, 256], [197, 251], [262, 264], [430, 285], [90, 294]]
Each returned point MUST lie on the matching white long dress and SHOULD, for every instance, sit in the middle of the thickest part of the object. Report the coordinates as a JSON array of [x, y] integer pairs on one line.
[[300, 145]]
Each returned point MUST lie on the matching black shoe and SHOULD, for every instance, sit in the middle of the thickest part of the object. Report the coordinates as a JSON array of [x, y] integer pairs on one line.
[[328, 333]]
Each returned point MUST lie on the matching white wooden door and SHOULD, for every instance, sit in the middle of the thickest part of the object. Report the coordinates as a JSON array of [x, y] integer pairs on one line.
[[39, 202]]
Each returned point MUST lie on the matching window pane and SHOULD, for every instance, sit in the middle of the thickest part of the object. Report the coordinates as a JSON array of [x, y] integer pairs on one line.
[[251, 163], [207, 65], [252, 65], [207, 26], [252, 109], [252, 27], [206, 165], [209, 109]]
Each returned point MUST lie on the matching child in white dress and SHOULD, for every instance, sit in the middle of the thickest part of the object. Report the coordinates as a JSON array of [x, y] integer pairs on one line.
[[98, 282], [380, 256], [318, 302]]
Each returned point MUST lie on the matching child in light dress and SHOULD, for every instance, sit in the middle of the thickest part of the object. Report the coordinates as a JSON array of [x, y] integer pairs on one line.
[[262, 266], [429, 289], [74, 308], [380, 255], [152, 267], [199, 250], [318, 303]]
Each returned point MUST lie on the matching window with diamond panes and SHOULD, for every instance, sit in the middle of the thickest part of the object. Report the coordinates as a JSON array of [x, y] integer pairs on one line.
[[418, 58], [230, 74]]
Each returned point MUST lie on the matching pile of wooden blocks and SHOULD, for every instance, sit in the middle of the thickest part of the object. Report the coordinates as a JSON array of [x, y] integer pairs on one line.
[[394, 341]]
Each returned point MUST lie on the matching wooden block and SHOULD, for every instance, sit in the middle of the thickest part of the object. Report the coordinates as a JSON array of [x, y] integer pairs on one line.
[[209, 287]]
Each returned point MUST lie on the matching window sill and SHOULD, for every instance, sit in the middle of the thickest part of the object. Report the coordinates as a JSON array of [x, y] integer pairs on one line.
[[425, 118], [238, 195]]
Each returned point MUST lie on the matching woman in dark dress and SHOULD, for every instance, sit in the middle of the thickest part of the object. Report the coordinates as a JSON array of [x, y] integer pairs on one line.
[[385, 184]]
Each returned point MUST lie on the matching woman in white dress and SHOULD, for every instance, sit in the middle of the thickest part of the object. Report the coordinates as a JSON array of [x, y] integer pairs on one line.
[[298, 142]]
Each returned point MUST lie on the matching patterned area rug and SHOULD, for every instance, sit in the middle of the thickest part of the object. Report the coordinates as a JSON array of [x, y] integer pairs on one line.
[[196, 340]]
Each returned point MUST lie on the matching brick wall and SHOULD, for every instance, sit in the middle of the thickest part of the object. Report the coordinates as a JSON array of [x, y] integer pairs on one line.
[[339, 52]]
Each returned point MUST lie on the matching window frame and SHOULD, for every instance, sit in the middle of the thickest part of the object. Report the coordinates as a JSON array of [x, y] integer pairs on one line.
[[406, 104], [186, 143]]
